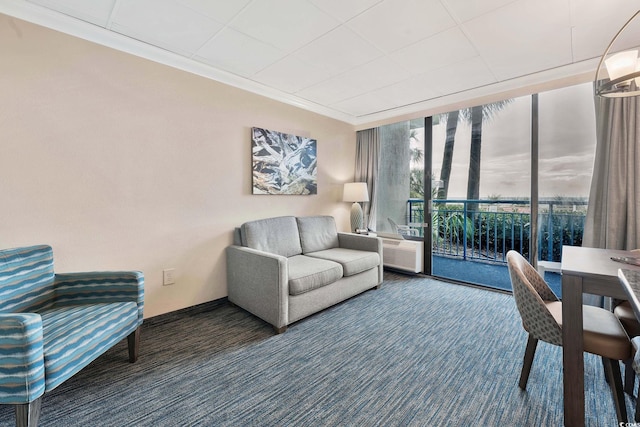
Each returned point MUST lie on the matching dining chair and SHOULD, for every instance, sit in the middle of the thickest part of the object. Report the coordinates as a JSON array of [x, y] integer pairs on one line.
[[541, 313], [627, 318]]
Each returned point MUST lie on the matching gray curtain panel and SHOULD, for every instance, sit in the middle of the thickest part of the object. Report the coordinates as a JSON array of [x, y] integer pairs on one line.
[[612, 220], [367, 163]]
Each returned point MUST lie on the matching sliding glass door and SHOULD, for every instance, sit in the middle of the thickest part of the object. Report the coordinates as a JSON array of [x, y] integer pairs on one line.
[[481, 170]]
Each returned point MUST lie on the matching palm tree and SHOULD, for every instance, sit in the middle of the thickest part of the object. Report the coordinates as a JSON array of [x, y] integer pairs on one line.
[[477, 115], [447, 157], [416, 177]]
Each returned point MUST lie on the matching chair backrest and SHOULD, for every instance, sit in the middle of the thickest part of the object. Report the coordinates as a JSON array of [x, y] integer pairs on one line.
[[531, 292], [26, 279]]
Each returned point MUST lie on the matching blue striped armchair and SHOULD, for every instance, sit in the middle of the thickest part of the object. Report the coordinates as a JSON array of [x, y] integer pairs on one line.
[[53, 325]]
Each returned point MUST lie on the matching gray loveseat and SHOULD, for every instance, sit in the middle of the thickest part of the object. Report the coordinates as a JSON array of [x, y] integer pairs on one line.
[[286, 268]]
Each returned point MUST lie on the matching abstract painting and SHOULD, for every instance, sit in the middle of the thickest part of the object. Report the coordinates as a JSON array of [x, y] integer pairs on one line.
[[283, 163]]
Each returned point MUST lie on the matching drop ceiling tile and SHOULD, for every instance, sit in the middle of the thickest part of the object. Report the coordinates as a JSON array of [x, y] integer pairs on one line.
[[464, 10], [334, 90], [238, 53], [164, 23], [394, 24], [220, 10], [444, 48], [410, 91], [366, 78], [378, 73], [285, 24], [523, 37], [465, 75], [364, 104], [290, 75], [339, 50], [96, 12], [596, 25], [344, 10]]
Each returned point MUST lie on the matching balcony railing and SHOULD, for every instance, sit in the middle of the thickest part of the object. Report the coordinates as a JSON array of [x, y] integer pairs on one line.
[[488, 229]]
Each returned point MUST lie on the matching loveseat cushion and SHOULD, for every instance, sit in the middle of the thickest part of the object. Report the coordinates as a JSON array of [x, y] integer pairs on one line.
[[307, 274], [274, 235], [317, 233], [76, 335], [352, 261]]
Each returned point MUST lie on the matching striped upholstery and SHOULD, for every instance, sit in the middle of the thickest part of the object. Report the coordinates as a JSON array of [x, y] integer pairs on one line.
[[53, 325], [100, 287], [74, 336], [26, 279], [21, 356]]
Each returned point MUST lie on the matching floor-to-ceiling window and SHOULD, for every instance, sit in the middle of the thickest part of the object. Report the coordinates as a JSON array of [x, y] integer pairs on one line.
[[481, 164], [479, 181]]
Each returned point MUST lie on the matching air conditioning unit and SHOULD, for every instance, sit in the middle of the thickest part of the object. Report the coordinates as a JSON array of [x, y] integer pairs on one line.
[[403, 254]]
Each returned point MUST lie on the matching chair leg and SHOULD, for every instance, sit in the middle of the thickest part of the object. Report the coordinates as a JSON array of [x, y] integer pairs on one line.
[[27, 414], [612, 368], [532, 343], [629, 378], [133, 342]]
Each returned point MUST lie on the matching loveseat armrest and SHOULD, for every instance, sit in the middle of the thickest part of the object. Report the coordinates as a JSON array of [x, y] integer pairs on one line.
[[100, 287], [362, 242], [258, 281], [21, 358]]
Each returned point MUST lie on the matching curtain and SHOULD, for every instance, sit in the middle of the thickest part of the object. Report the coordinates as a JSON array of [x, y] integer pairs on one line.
[[612, 220], [367, 162]]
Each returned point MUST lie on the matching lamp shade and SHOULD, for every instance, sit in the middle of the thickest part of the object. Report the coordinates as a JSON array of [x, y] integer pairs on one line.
[[621, 64], [623, 68], [355, 192]]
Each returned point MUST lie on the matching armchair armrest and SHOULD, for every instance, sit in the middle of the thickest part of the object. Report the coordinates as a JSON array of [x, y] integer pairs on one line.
[[21, 358], [100, 287], [259, 282]]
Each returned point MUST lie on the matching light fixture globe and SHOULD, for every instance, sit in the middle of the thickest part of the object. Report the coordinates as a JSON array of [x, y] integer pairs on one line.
[[623, 69]]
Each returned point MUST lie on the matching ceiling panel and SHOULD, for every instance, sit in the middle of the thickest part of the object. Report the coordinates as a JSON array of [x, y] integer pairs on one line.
[[238, 53], [220, 10], [523, 37], [394, 24], [164, 23], [96, 12], [465, 10], [338, 51], [285, 24], [291, 75], [344, 10], [443, 49]]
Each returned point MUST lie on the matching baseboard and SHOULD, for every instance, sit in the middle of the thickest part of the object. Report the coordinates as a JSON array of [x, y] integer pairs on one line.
[[188, 311]]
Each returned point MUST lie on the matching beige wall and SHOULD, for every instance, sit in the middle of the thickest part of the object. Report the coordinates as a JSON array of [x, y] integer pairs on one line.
[[122, 163]]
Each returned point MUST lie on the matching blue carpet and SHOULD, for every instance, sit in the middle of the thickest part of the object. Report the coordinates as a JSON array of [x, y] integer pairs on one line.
[[417, 352], [492, 275]]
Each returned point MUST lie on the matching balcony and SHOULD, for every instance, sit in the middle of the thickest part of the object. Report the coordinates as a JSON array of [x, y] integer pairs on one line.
[[485, 230]]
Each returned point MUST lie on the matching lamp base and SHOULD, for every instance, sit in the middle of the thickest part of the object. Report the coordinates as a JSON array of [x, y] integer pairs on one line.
[[357, 217]]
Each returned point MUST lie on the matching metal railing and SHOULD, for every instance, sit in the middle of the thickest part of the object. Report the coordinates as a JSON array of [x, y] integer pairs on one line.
[[488, 229]]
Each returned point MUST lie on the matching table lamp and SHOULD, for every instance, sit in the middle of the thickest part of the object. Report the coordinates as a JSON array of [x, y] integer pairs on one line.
[[356, 192]]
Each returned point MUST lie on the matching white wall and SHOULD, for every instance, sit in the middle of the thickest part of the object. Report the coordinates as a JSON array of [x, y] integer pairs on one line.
[[122, 163]]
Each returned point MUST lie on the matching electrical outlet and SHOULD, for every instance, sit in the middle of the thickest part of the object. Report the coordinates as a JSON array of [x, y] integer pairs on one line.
[[168, 276]]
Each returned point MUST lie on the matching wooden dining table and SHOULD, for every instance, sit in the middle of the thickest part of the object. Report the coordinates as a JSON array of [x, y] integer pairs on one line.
[[584, 271]]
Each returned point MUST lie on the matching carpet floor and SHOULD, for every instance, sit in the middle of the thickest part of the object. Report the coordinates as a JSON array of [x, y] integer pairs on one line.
[[417, 352]]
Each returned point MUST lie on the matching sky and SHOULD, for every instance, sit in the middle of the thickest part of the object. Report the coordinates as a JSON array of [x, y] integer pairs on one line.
[[567, 139]]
